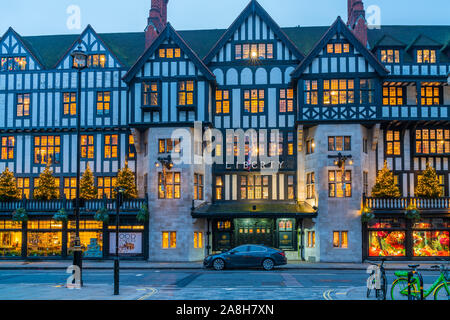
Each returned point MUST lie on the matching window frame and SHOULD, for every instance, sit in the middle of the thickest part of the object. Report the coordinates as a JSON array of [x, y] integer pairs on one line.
[[112, 181], [346, 143], [88, 146], [180, 90], [70, 104], [199, 186], [23, 96], [55, 155], [148, 95], [176, 186], [443, 143], [8, 147], [349, 92], [103, 111], [342, 241], [289, 100], [250, 99], [222, 101], [393, 143], [112, 146], [335, 183]]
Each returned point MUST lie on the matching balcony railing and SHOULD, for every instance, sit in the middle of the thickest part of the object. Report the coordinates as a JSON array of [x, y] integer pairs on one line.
[[52, 206], [403, 203]]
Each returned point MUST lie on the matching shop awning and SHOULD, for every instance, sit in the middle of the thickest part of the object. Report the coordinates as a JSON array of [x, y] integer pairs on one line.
[[230, 210]]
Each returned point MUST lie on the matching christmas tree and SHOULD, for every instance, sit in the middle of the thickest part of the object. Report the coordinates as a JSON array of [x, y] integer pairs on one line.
[[47, 189], [384, 186], [428, 184], [126, 180], [88, 191], [8, 187]]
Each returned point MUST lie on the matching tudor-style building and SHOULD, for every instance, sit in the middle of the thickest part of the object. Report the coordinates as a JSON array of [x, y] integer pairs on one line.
[[299, 121]]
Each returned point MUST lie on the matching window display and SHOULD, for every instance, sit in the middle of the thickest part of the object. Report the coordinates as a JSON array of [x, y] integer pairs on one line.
[[44, 244], [91, 243], [10, 244]]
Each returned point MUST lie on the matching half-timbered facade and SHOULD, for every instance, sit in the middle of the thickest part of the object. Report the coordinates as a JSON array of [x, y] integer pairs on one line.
[[299, 121]]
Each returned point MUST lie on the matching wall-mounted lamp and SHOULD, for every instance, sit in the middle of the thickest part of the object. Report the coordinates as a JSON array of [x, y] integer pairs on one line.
[[341, 160]]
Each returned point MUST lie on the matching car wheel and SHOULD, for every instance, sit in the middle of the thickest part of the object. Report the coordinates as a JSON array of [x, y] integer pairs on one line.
[[219, 264], [268, 264]]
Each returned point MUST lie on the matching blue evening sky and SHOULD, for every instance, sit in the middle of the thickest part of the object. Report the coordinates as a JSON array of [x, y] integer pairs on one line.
[[39, 17]]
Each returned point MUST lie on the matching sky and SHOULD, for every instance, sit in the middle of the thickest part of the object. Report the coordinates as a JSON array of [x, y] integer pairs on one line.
[[40, 17]]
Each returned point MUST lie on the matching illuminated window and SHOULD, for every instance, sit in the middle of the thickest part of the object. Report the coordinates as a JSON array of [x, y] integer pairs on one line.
[[311, 92], [340, 239], [198, 186], [339, 184], [390, 56], [70, 188], [367, 91], [310, 185], [338, 92], [276, 147], [150, 94], [339, 143], [338, 48], [111, 146], [169, 145], [393, 96], [219, 187], [254, 51], [7, 146], [310, 146], [103, 102], [105, 186], [169, 240], [47, 149], [169, 53], [426, 56], [23, 184], [95, 61], [87, 146], [311, 239], [131, 147], [290, 143], [393, 146], [186, 93], [169, 185], [286, 100], [198, 240], [290, 187], [430, 95], [254, 187], [254, 101], [23, 105], [13, 63], [441, 179], [70, 103], [222, 101], [434, 141], [365, 182]]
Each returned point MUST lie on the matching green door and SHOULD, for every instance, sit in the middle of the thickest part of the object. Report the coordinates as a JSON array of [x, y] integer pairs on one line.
[[254, 231]]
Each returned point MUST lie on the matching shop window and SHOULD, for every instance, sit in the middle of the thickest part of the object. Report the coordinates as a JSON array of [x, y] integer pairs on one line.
[[430, 95], [387, 243], [150, 94], [23, 184], [10, 243], [23, 105], [103, 102], [7, 146], [169, 146], [393, 96], [198, 186], [426, 56], [13, 63], [310, 185], [311, 239], [311, 92], [339, 143], [105, 186], [393, 143], [338, 91], [87, 146], [47, 149], [44, 244], [390, 56], [254, 101], [169, 185], [367, 91], [169, 240], [111, 146], [339, 184], [253, 51], [286, 100], [185, 93], [198, 240], [433, 141], [219, 187], [91, 243], [340, 239], [70, 103], [222, 101]]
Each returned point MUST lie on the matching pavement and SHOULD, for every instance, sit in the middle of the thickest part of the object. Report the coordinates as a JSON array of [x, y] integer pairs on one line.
[[145, 265]]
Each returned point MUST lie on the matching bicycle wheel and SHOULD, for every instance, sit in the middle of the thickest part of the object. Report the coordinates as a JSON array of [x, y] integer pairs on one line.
[[381, 293], [399, 290], [441, 293]]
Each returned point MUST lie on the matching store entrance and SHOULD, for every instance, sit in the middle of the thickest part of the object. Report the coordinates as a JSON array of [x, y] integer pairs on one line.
[[254, 231]]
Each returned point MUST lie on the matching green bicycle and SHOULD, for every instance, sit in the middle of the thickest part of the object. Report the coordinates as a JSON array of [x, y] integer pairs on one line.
[[440, 288]]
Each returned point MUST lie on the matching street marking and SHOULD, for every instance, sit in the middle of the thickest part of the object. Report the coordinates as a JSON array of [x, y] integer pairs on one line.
[[290, 281], [148, 295], [327, 294], [139, 275]]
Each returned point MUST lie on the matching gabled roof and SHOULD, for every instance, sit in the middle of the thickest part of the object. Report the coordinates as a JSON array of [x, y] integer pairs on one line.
[[389, 41], [25, 44], [253, 8], [169, 33], [339, 27], [423, 40]]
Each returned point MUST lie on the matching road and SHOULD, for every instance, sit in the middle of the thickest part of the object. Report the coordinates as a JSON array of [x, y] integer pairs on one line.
[[280, 284]]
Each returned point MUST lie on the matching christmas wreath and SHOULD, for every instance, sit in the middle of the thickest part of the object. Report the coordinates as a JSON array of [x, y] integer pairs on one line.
[[412, 213], [20, 215], [102, 215], [61, 215], [367, 215]]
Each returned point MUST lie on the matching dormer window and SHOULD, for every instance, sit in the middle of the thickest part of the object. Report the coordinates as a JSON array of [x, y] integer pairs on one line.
[[94, 61], [426, 56], [254, 51], [169, 53], [338, 48], [13, 63], [390, 56]]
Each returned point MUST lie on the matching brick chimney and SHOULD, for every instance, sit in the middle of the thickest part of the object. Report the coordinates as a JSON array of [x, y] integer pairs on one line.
[[157, 21], [357, 20]]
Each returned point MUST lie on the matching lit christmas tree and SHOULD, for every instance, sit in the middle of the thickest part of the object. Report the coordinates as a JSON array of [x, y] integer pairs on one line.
[[88, 191], [384, 186], [428, 184], [126, 180], [8, 187], [47, 189]]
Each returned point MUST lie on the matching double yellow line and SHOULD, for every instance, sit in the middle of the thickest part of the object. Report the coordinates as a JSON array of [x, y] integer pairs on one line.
[[148, 295], [327, 294]]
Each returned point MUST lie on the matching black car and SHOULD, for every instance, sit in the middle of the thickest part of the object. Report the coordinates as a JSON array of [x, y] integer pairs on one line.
[[247, 256]]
